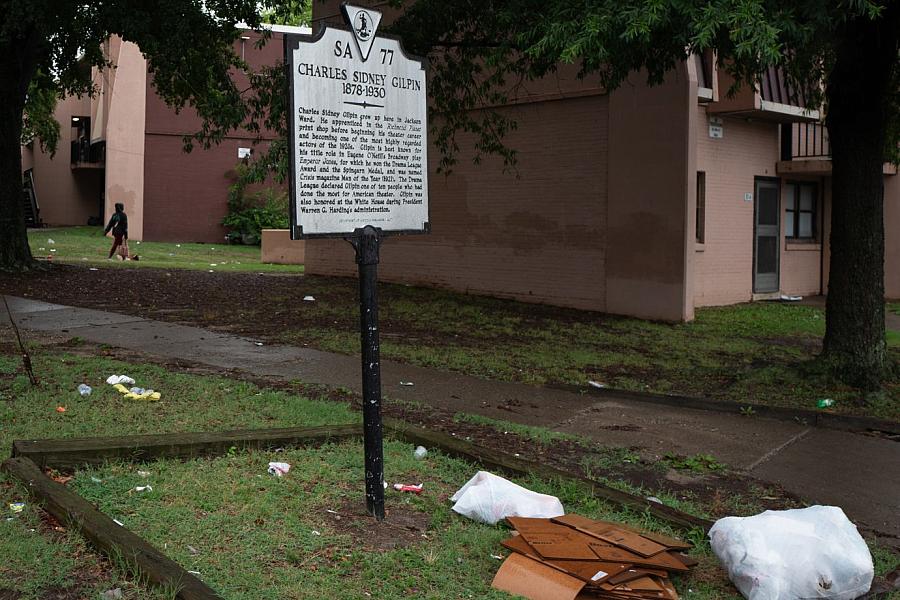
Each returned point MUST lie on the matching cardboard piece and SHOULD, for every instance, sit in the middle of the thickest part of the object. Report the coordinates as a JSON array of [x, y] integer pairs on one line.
[[614, 534], [663, 560], [552, 540], [608, 561], [532, 579], [589, 571]]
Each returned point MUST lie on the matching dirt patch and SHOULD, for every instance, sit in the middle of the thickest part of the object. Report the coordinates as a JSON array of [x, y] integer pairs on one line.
[[402, 527], [10, 595]]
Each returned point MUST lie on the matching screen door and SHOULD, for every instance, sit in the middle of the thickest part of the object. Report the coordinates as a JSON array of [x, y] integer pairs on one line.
[[766, 235]]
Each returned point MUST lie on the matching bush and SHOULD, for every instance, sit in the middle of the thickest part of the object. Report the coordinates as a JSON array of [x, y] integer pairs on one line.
[[249, 215]]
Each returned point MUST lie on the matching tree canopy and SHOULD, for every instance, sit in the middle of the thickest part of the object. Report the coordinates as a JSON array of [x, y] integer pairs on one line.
[[479, 50]]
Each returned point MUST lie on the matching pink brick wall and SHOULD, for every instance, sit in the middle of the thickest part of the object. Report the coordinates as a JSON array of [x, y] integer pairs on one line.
[[723, 271], [723, 265], [538, 238]]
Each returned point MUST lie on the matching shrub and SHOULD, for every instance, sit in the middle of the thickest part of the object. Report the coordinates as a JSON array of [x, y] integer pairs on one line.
[[249, 214]]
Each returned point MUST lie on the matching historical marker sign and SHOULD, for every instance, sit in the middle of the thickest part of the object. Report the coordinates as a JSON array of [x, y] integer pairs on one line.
[[358, 123], [358, 171]]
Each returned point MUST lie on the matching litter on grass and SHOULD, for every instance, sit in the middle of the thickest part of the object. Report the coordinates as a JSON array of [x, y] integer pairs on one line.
[[144, 488], [824, 403], [786, 298], [50, 241], [143, 473], [572, 557], [488, 498], [420, 453], [131, 395], [813, 552], [123, 379], [84, 389], [306, 298], [404, 487], [596, 384], [407, 383], [279, 469], [60, 409], [17, 507]]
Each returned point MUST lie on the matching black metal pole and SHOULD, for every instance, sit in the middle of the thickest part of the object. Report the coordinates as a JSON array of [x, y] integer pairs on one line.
[[366, 241]]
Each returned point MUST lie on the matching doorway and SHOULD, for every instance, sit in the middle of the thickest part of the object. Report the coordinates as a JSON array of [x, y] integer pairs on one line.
[[766, 235]]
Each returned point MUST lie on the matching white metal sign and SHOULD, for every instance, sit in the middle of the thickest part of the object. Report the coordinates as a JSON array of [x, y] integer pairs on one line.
[[716, 128], [358, 127]]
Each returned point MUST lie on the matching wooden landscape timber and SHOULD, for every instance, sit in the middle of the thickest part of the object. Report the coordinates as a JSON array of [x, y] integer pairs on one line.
[[105, 534], [72, 453]]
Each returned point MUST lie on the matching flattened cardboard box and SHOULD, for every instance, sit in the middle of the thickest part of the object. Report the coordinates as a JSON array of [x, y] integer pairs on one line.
[[527, 577], [574, 557], [614, 534], [593, 571]]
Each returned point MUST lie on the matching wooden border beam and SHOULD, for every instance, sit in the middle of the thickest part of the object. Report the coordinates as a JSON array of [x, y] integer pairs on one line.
[[111, 538], [72, 453]]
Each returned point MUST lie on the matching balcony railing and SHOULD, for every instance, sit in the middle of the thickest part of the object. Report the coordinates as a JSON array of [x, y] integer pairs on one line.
[[801, 141], [86, 154]]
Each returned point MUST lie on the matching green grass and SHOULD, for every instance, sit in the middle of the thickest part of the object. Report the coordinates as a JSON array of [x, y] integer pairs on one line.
[[251, 535], [541, 436], [759, 353], [287, 545], [87, 246], [33, 563]]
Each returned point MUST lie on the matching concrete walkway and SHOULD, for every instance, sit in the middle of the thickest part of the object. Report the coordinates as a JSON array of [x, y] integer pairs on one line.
[[855, 472]]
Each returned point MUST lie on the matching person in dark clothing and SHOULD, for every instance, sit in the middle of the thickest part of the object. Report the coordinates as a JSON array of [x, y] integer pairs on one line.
[[118, 223]]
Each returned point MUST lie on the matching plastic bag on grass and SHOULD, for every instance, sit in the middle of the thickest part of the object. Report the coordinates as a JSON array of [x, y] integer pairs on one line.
[[813, 552], [488, 498]]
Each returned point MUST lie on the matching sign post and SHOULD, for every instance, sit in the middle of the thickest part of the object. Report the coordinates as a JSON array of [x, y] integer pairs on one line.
[[359, 170]]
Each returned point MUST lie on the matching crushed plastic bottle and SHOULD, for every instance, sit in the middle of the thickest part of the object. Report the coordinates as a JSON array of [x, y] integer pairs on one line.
[[84, 389]]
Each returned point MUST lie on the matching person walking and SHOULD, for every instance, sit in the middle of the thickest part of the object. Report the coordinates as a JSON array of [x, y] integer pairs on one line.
[[118, 223]]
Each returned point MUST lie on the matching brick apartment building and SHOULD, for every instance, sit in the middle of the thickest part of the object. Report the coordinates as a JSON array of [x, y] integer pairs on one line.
[[642, 201], [125, 145]]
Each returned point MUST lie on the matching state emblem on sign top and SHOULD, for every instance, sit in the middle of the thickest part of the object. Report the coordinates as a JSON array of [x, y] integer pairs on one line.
[[364, 23]]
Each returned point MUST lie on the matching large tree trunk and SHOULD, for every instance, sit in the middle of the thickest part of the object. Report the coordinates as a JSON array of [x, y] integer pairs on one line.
[[18, 61], [858, 92]]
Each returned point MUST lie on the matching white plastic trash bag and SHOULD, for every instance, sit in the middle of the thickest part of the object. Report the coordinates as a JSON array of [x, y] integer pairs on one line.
[[812, 552], [488, 499]]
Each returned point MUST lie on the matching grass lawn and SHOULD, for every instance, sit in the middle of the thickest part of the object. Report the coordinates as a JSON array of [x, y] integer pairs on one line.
[[248, 534], [759, 353], [87, 246]]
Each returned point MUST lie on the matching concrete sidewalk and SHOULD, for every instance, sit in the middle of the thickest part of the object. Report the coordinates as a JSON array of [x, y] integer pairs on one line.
[[855, 472]]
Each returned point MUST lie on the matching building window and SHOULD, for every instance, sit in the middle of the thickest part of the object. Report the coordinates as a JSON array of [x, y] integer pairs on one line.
[[802, 200], [700, 217]]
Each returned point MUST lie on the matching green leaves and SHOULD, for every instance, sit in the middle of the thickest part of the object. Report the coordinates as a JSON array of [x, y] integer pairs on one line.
[[38, 122], [477, 48]]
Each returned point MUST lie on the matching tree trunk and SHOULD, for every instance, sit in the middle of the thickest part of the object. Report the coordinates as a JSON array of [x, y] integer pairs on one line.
[[858, 92], [18, 62]]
